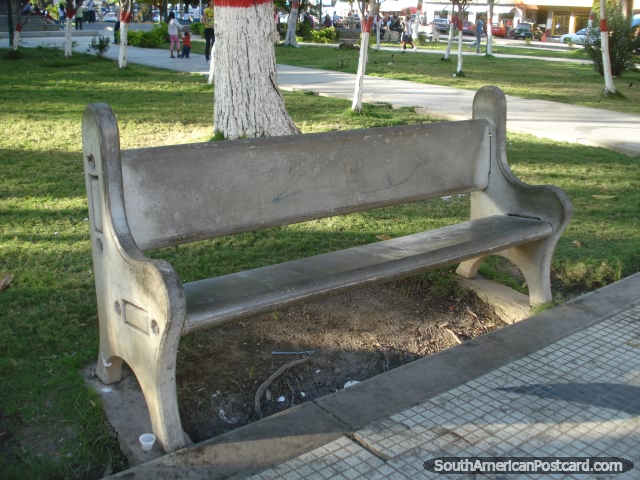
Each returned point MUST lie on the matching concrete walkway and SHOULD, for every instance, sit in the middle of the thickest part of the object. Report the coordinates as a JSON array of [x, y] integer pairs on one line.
[[556, 121], [564, 383]]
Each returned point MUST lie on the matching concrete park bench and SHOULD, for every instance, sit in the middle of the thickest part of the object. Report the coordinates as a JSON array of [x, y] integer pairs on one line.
[[149, 198]]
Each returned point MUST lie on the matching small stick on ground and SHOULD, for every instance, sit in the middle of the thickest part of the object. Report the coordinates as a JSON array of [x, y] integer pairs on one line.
[[262, 388]]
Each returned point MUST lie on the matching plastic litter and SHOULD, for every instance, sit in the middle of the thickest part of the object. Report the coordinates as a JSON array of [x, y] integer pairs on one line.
[[147, 440], [350, 383]]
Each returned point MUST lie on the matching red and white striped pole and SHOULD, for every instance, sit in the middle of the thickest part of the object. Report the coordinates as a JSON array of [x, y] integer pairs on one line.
[[609, 87]]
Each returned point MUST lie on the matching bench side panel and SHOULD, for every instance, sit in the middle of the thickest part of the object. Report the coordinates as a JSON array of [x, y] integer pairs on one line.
[[178, 194]]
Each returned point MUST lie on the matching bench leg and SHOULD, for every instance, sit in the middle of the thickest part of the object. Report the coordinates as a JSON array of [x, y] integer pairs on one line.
[[533, 260], [153, 362], [469, 268]]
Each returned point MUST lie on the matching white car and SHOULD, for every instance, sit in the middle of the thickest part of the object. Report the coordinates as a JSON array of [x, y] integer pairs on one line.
[[109, 17], [577, 38]]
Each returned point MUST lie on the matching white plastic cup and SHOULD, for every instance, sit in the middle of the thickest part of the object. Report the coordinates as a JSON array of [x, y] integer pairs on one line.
[[147, 440]]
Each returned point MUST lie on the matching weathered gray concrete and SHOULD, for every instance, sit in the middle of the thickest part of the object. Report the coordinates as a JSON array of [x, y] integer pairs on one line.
[[134, 205], [128, 414], [508, 304], [249, 449]]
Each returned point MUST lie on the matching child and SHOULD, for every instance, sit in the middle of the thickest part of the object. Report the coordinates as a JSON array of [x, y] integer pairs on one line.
[[186, 45]]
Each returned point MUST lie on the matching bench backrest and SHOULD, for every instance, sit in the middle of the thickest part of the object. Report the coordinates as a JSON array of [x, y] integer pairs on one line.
[[178, 194]]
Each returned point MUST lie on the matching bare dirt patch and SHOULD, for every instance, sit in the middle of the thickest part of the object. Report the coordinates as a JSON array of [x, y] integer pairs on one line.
[[354, 336]]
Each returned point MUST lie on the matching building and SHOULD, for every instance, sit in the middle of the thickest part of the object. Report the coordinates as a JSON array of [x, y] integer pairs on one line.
[[558, 16]]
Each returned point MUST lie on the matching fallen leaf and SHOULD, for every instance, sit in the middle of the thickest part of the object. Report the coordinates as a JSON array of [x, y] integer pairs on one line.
[[5, 282], [577, 243], [383, 237], [633, 344], [604, 197]]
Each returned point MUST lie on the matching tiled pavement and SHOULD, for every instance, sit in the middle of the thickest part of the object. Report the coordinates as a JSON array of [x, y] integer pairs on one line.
[[579, 396]]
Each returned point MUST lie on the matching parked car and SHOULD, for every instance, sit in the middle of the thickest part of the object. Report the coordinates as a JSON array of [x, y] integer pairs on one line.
[[527, 30], [499, 31], [468, 28], [442, 24], [109, 17], [577, 38]]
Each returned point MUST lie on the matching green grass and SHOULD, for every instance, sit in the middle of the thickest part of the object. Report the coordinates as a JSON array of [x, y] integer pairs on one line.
[[562, 82], [52, 426]]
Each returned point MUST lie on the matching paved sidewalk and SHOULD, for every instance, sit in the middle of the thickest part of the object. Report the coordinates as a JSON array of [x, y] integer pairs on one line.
[[556, 121], [564, 383]]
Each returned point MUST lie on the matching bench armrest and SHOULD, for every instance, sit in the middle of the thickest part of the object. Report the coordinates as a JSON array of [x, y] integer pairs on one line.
[[507, 195]]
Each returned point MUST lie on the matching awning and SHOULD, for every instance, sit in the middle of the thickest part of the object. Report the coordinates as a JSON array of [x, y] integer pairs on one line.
[[478, 8], [502, 8], [398, 5]]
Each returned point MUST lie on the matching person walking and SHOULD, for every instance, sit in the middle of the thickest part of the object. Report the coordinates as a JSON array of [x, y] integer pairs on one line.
[[186, 45], [174, 26], [78, 17], [208, 19], [479, 27], [91, 11], [407, 34]]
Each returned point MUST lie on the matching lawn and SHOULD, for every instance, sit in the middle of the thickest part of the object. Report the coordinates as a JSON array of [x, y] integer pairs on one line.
[[562, 82], [52, 426]]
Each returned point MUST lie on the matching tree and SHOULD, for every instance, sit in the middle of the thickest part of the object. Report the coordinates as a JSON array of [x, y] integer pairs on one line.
[[447, 52], [609, 87], [366, 24], [416, 33], [14, 35], [610, 47], [70, 13], [247, 101], [290, 38], [126, 12], [490, 29]]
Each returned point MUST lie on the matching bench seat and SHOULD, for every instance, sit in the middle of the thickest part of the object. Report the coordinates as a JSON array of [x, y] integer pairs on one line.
[[244, 294]]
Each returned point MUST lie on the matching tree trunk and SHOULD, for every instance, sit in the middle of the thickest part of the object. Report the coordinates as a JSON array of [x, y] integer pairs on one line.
[[16, 38], [459, 69], [366, 25], [211, 64], [490, 29], [70, 12], [447, 52], [126, 12], [11, 31], [68, 41], [609, 87], [416, 31], [290, 39], [247, 101]]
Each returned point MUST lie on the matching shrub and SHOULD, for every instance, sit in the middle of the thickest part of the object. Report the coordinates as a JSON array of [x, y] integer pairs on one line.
[[326, 35], [196, 28], [149, 39], [99, 45], [304, 30], [620, 43]]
